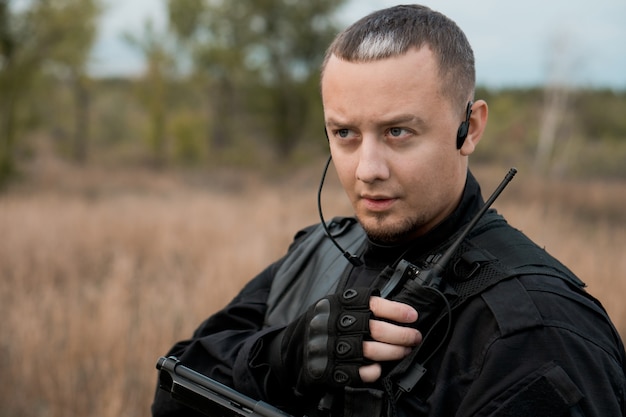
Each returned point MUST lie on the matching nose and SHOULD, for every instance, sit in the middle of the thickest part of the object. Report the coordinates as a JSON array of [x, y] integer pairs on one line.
[[372, 165]]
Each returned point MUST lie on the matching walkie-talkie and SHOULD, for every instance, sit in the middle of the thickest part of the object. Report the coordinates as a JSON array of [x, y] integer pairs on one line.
[[420, 288], [407, 276]]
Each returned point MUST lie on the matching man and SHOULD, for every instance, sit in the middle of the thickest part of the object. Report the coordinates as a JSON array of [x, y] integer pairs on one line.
[[505, 330]]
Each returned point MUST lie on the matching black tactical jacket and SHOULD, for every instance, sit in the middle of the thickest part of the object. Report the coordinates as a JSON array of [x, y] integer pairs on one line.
[[529, 345]]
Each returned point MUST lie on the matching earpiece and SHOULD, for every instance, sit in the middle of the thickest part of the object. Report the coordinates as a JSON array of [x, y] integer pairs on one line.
[[461, 134]]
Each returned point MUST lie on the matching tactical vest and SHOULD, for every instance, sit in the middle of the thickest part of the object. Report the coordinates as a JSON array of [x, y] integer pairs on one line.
[[491, 253]]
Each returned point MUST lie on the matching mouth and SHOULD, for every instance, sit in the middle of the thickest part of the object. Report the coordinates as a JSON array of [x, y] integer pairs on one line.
[[377, 203]]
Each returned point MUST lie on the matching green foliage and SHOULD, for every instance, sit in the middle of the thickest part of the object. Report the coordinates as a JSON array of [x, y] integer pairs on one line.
[[190, 148], [154, 86], [184, 17], [241, 48], [236, 82], [513, 116], [601, 115], [116, 113], [590, 138], [49, 38]]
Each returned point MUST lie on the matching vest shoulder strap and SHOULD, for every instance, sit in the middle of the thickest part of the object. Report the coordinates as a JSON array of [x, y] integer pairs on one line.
[[495, 251], [313, 255]]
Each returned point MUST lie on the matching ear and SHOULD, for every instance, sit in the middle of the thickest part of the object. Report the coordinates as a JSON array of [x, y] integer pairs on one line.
[[478, 122]]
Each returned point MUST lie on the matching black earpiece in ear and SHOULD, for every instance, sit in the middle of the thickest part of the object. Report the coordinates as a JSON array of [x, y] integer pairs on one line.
[[461, 134]]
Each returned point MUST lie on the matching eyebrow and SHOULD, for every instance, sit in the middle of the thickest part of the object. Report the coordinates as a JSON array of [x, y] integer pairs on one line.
[[392, 121], [404, 118]]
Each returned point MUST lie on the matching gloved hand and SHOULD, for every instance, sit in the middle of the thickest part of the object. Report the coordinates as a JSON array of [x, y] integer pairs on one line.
[[333, 340], [339, 337], [430, 303]]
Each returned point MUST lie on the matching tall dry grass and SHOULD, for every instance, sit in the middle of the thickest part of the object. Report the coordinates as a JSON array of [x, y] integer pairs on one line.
[[101, 272]]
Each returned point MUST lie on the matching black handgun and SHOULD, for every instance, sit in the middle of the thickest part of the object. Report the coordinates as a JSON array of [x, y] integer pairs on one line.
[[208, 396]]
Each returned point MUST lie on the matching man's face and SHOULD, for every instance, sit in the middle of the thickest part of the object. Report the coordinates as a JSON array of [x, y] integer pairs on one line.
[[392, 137]]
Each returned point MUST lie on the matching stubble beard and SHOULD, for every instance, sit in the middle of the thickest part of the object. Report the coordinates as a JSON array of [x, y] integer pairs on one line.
[[381, 229]]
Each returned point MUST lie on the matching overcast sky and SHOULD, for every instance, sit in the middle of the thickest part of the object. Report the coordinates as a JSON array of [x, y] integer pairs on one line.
[[521, 43]]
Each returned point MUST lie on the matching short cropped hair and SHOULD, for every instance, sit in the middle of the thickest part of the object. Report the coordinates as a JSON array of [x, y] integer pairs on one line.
[[393, 31]]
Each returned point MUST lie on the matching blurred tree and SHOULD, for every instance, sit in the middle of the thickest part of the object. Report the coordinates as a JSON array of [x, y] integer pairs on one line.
[[271, 47], [557, 97], [36, 38], [554, 110], [154, 86], [73, 24], [17, 66]]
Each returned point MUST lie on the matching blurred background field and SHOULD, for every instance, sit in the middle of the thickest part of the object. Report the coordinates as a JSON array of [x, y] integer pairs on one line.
[[132, 207], [103, 270]]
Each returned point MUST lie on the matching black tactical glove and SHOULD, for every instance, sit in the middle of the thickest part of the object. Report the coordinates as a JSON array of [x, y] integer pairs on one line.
[[324, 347]]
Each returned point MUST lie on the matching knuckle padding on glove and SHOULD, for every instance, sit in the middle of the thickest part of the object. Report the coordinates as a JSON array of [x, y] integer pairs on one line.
[[334, 342], [317, 342]]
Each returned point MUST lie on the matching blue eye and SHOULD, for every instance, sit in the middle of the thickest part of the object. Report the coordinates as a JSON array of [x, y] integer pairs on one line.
[[343, 133], [398, 132]]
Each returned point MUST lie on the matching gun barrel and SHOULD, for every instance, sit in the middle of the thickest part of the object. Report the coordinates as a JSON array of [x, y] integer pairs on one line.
[[205, 394]]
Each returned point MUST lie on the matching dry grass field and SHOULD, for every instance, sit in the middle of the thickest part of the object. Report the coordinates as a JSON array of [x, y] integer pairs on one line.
[[102, 271]]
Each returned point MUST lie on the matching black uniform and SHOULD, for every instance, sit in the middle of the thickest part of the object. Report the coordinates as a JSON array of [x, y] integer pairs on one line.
[[531, 345]]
